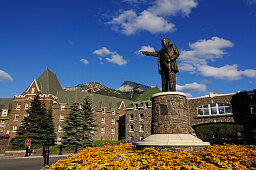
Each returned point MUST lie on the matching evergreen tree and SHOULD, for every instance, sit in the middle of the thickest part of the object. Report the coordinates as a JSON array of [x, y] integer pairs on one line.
[[37, 126], [89, 125], [73, 128]]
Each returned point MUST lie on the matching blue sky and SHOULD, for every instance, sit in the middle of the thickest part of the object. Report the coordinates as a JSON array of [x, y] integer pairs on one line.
[[99, 40]]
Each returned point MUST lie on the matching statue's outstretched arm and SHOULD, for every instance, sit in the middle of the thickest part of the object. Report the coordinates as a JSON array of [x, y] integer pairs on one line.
[[147, 53]]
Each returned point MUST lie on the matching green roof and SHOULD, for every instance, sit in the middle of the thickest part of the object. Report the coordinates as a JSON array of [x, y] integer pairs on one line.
[[48, 82], [77, 96], [5, 103]]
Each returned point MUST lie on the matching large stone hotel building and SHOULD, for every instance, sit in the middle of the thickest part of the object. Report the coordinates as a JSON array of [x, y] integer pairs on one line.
[[114, 119]]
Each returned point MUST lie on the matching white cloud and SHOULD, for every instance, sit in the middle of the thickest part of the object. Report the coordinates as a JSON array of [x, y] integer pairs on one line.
[[152, 19], [86, 62], [145, 48], [204, 50], [191, 87], [117, 59], [227, 72], [187, 67], [114, 57], [5, 76], [102, 52], [173, 7]]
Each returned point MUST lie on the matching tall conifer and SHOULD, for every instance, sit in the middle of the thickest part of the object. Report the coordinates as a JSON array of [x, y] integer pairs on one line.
[[37, 126]]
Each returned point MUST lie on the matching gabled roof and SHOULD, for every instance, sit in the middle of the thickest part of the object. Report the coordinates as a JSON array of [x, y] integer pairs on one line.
[[48, 83]]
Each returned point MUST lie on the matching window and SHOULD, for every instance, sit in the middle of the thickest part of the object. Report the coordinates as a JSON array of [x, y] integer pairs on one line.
[[58, 139], [214, 109], [113, 130], [146, 105], [141, 137], [131, 117], [14, 128], [103, 120], [113, 112], [26, 106], [136, 106], [102, 129], [18, 106], [16, 117], [112, 138], [131, 128], [103, 110], [2, 123], [101, 138], [62, 107], [253, 109], [141, 117], [30, 105], [61, 117], [141, 128], [113, 121], [60, 129], [4, 113]]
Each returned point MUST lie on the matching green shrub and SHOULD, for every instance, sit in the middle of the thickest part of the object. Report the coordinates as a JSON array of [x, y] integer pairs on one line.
[[105, 142]]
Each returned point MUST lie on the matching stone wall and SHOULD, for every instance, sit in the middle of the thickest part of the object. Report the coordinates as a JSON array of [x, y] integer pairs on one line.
[[194, 103], [137, 122], [169, 115], [3, 145]]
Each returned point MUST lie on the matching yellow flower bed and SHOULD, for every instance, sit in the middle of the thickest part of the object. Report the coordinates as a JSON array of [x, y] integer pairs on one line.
[[127, 157]]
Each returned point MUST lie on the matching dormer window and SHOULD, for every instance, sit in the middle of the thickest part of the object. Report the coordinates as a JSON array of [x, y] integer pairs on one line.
[[4, 113], [136, 106]]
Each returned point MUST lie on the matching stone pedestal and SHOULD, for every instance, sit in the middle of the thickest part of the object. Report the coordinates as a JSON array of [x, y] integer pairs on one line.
[[170, 128]]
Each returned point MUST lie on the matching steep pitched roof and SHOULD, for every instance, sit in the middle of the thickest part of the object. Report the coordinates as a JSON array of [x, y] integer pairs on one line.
[[5, 103], [48, 82], [70, 97]]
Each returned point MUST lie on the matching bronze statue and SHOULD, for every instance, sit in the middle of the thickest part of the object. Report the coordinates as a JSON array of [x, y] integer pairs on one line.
[[167, 64]]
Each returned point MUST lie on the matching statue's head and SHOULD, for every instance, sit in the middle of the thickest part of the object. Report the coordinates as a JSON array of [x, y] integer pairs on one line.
[[165, 41]]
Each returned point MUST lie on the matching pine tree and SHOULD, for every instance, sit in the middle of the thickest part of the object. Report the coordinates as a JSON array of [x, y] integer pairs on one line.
[[89, 125], [73, 131], [37, 126]]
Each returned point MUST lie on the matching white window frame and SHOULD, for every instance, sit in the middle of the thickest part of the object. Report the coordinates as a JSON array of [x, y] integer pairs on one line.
[[16, 117], [102, 119], [14, 128], [113, 130], [102, 129], [18, 106], [113, 121], [62, 107], [113, 112], [131, 128], [131, 118], [61, 118], [141, 128], [141, 118], [103, 110], [210, 110], [59, 129], [4, 113], [26, 106], [2, 123]]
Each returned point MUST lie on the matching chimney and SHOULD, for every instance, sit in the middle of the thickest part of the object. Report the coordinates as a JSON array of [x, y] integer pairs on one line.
[[90, 90]]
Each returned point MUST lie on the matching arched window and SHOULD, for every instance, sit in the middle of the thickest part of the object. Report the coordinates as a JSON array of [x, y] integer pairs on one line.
[[214, 109]]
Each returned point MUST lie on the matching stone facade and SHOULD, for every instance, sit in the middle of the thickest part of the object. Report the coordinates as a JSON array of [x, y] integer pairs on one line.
[[194, 103], [138, 122], [169, 115]]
